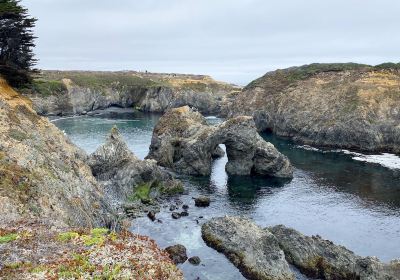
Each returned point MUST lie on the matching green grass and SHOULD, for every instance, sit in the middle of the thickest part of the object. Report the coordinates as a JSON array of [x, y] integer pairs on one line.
[[46, 87], [8, 238], [285, 77], [67, 236], [388, 66], [142, 192]]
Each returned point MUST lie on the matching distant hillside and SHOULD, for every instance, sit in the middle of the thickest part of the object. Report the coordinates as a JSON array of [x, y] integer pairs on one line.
[[76, 92], [347, 105]]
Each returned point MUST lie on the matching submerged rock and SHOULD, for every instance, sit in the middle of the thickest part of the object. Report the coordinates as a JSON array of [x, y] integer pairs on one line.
[[194, 260], [184, 142], [125, 177], [176, 215], [319, 258], [253, 250], [177, 253], [202, 201]]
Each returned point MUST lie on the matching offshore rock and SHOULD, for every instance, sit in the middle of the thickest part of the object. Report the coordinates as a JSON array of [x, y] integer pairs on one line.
[[184, 142]]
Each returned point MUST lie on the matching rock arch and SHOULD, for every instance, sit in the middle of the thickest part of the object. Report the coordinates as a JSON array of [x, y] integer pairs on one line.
[[184, 142]]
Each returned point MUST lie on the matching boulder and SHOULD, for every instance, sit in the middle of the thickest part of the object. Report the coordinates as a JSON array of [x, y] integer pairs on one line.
[[176, 215], [253, 250], [125, 177], [177, 253], [319, 258], [194, 260], [202, 201], [183, 141]]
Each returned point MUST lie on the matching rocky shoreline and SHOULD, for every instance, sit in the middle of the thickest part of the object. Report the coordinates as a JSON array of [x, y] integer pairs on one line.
[[266, 253], [50, 188], [347, 106], [66, 93]]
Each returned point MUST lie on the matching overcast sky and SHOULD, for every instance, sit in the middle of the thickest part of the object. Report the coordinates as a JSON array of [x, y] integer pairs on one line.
[[231, 40]]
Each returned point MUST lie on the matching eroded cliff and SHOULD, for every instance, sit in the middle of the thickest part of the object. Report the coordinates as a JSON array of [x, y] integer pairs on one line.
[[336, 105]]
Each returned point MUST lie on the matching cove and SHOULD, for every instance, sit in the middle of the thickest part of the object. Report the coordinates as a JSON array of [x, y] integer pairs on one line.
[[353, 203]]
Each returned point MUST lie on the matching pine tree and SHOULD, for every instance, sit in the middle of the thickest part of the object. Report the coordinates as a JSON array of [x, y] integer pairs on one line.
[[16, 43]]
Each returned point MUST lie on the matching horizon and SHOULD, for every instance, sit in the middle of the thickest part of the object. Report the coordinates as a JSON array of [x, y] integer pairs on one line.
[[231, 42]]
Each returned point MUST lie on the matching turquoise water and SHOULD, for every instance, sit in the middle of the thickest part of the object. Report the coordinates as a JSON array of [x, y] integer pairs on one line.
[[353, 203]]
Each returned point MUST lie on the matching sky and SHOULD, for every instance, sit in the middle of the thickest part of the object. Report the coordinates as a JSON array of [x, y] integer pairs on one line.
[[231, 40]]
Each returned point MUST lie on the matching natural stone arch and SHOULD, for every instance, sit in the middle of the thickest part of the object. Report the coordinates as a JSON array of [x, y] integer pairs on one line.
[[184, 142]]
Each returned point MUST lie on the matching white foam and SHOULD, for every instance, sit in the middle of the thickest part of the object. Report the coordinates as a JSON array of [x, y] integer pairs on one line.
[[387, 160], [308, 148]]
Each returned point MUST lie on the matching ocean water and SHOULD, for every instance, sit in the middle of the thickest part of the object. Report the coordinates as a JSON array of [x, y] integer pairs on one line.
[[349, 198]]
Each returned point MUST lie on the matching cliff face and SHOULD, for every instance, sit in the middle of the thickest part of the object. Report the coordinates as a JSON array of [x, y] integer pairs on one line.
[[42, 175], [69, 93], [337, 105]]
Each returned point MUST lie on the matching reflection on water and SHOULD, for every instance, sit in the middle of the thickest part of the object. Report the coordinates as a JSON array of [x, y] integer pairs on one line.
[[350, 202]]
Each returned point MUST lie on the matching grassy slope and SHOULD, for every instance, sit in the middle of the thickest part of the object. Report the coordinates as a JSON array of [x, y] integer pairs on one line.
[[50, 82], [284, 77]]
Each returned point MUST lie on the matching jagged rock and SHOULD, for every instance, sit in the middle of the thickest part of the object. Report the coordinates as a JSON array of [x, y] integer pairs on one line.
[[319, 258], [124, 176], [194, 260], [151, 215], [185, 207], [253, 250], [184, 214], [184, 142], [218, 152], [177, 253], [172, 207], [202, 201], [42, 174], [176, 215]]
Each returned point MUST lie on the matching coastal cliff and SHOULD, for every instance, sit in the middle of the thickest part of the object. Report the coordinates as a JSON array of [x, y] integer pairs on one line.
[[55, 215], [350, 106], [77, 92]]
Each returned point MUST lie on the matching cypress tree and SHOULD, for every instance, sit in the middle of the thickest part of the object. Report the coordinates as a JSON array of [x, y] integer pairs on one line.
[[16, 43]]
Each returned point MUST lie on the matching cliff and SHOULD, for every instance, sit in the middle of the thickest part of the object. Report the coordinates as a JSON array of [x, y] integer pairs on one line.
[[53, 210], [350, 106], [76, 92], [43, 175]]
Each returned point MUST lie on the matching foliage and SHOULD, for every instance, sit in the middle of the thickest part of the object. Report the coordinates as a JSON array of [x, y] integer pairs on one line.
[[8, 238], [67, 236], [16, 43], [388, 66], [288, 76]]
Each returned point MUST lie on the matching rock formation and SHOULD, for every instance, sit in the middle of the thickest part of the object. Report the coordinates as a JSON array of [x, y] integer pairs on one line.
[[254, 251], [125, 177], [265, 253], [76, 92], [184, 142], [334, 105], [319, 258], [43, 175]]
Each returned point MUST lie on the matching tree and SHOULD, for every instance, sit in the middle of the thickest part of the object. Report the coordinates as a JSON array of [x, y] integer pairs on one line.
[[16, 43]]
